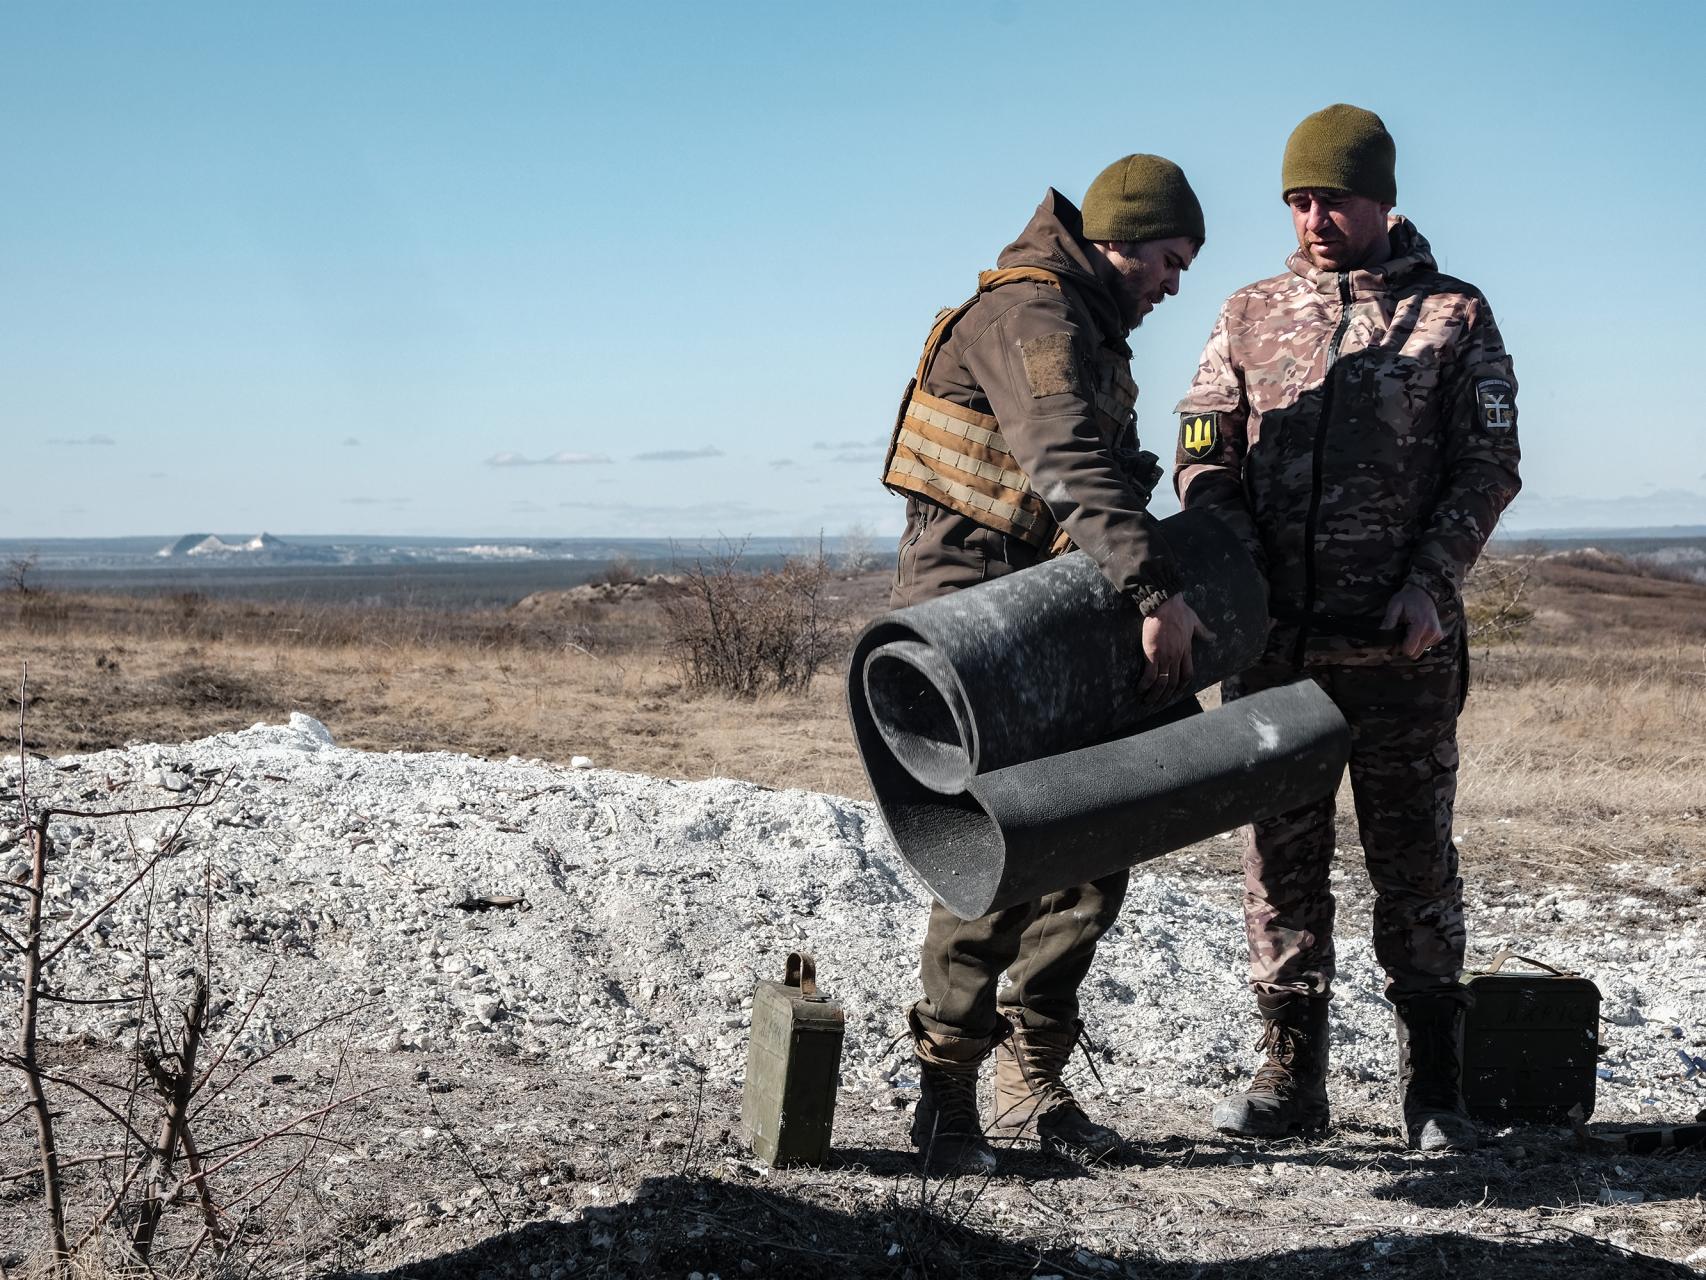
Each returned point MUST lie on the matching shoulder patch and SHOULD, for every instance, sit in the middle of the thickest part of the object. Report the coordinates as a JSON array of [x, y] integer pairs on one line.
[[1495, 406], [1199, 434], [1051, 365]]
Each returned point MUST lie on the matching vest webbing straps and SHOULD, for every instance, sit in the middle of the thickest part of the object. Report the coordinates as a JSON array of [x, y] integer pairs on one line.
[[957, 457]]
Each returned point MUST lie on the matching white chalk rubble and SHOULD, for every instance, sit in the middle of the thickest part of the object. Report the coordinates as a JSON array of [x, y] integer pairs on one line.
[[652, 907]]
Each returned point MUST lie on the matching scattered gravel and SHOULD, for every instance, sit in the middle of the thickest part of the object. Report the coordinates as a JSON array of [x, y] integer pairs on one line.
[[649, 908]]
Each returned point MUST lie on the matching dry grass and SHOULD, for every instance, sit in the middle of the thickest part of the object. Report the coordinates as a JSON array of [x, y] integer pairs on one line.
[[587, 679], [1588, 732], [1591, 732]]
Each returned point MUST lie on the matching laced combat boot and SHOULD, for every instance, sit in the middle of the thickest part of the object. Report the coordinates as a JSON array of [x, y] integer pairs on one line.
[[1032, 1099], [1430, 1073], [1289, 1093], [945, 1125]]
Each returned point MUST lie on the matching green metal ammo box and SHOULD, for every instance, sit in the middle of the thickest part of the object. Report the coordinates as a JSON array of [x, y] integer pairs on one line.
[[793, 1067], [1530, 1044]]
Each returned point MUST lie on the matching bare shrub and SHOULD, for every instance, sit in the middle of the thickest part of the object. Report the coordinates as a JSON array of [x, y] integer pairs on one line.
[[119, 1192], [744, 633], [621, 569], [1493, 599], [858, 549], [18, 571]]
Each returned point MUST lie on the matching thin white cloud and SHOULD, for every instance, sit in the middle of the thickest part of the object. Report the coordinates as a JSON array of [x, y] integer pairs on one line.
[[700, 511], [94, 439], [679, 455], [350, 442], [847, 446], [562, 459]]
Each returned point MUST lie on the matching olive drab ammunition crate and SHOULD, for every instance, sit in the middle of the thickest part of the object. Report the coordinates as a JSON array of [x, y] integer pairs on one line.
[[793, 1067], [1530, 1044]]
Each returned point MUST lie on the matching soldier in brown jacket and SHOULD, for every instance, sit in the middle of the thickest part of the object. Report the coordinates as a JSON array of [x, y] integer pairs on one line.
[[1016, 441], [1355, 419]]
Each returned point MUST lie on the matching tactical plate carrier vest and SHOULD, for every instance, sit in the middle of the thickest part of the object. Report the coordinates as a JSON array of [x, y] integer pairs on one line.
[[957, 457]]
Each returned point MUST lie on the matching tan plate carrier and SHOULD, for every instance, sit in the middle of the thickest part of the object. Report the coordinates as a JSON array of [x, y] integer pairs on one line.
[[957, 457]]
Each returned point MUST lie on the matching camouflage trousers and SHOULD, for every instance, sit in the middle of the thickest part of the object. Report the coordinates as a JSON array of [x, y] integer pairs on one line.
[[1044, 947], [1403, 719]]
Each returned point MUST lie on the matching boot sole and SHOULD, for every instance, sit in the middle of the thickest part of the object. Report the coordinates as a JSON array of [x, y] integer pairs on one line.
[[1243, 1127], [964, 1163], [1438, 1143]]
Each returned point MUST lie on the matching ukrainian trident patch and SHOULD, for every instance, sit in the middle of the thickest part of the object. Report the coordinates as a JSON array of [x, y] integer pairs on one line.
[[1199, 434], [1495, 406]]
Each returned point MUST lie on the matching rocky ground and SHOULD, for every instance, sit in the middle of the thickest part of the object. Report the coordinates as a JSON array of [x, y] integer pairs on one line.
[[547, 975]]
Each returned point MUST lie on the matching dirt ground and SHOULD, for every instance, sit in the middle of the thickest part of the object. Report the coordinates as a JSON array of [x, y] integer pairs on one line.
[[1584, 769], [474, 1167]]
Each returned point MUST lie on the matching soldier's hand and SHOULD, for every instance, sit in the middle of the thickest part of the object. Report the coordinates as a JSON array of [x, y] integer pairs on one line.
[[1413, 609], [1167, 637]]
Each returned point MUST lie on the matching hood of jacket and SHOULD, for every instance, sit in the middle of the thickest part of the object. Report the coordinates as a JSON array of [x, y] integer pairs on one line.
[[1054, 240], [1408, 255]]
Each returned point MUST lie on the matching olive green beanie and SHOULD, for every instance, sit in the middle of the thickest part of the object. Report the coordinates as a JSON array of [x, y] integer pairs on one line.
[[1141, 198], [1343, 148]]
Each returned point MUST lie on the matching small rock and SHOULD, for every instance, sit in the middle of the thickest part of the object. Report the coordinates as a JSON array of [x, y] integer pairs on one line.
[[580, 762], [1611, 1195], [174, 781], [308, 727]]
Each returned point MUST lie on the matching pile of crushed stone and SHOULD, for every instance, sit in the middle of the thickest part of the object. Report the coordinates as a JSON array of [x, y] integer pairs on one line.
[[649, 908]]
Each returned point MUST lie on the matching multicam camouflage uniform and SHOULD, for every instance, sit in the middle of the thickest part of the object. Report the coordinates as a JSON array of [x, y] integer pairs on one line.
[[1359, 430]]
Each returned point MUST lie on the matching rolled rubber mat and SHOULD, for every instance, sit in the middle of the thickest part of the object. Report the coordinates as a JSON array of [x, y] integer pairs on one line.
[[1000, 731]]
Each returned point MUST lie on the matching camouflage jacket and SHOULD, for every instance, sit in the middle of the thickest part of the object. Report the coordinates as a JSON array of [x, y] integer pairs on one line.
[[1359, 430]]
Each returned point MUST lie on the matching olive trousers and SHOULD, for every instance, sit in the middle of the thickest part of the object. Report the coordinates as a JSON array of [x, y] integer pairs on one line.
[[1044, 947]]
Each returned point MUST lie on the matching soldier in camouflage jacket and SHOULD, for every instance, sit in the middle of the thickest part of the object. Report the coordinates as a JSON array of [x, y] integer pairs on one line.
[[1354, 418]]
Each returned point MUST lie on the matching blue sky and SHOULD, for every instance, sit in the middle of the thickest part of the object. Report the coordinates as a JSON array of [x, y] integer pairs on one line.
[[553, 269]]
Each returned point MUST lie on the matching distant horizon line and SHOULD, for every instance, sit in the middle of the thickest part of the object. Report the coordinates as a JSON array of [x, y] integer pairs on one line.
[[166, 539]]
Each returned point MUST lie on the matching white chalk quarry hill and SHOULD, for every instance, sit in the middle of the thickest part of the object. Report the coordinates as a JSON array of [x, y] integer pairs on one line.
[[653, 906], [262, 548]]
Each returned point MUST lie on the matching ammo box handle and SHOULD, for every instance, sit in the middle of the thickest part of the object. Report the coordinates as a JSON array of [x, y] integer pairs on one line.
[[1508, 954], [801, 972]]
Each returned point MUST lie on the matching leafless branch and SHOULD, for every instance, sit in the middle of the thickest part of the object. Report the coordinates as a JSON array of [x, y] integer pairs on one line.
[[27, 1062]]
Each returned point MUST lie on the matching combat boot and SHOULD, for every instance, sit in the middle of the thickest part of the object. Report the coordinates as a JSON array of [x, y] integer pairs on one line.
[[945, 1125], [1289, 1093], [1032, 1099], [1430, 1073]]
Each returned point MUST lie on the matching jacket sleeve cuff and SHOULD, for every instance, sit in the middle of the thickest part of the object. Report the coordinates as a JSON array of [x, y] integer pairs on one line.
[[1155, 584], [1149, 599], [1439, 586]]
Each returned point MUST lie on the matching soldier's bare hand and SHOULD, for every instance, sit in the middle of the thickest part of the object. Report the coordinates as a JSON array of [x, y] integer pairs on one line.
[[1167, 638], [1413, 609]]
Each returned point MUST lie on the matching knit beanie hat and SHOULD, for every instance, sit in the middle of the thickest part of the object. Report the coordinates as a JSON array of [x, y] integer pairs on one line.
[[1343, 148], [1141, 198]]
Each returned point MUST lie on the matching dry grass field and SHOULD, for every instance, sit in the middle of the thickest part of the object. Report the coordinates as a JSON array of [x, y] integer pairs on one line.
[[1584, 740]]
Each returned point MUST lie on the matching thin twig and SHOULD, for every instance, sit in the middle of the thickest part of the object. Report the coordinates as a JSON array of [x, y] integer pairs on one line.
[[456, 1141], [207, 1072], [29, 1006], [277, 1049]]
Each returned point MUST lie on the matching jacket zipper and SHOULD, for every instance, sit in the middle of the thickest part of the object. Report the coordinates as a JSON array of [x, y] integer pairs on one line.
[[1315, 478]]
